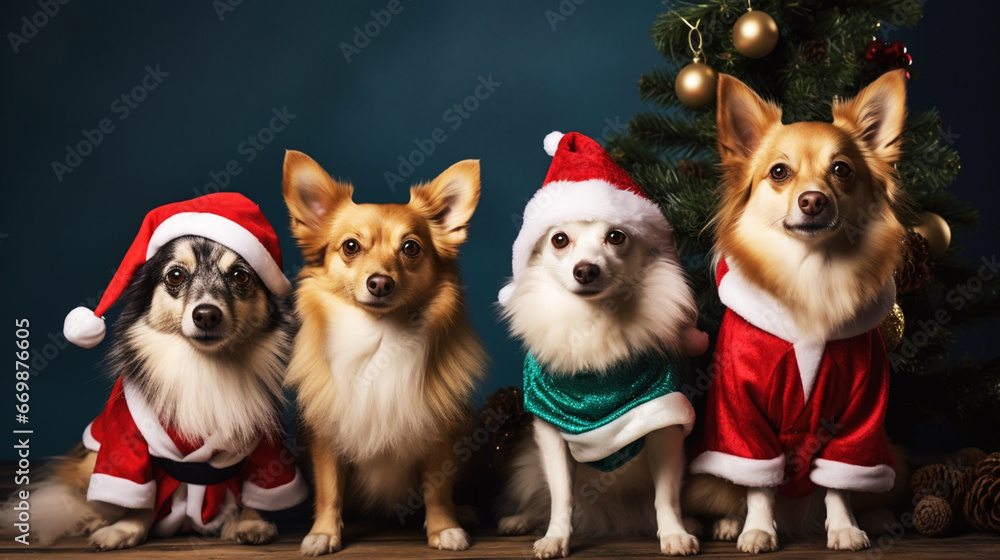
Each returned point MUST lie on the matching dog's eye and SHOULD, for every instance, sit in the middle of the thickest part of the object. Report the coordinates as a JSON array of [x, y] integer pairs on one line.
[[779, 172], [616, 237], [560, 240], [240, 276], [411, 248], [841, 169], [176, 276], [351, 247]]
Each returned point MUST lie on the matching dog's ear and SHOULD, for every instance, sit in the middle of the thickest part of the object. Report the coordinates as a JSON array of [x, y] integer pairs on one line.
[[448, 202], [877, 115], [310, 194], [742, 118]]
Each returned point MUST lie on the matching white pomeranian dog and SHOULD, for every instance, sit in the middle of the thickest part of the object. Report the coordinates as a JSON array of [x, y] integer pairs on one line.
[[601, 303]]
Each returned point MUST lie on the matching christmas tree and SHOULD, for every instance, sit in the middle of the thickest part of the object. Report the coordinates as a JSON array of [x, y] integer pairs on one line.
[[824, 49]]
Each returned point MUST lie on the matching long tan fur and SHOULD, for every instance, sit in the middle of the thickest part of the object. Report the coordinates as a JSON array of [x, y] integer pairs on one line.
[[825, 281], [382, 390]]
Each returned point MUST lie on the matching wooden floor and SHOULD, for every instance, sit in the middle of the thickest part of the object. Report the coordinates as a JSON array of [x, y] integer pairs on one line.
[[369, 542], [367, 539]]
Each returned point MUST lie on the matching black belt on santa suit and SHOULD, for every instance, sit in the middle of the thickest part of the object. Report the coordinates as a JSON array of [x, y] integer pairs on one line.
[[198, 473]]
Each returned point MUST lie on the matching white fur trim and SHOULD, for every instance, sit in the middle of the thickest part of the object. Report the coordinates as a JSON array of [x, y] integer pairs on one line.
[[121, 491], [756, 473], [588, 201], [88, 439], [228, 233], [844, 476], [195, 503], [160, 444], [277, 498], [767, 313], [808, 356], [168, 526], [83, 328], [186, 504], [669, 410], [756, 306], [551, 142]]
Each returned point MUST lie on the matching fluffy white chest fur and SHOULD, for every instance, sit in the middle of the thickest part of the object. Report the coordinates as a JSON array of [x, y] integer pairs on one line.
[[212, 396], [378, 367]]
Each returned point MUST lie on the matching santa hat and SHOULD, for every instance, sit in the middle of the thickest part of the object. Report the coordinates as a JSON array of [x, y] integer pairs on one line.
[[227, 218], [583, 184]]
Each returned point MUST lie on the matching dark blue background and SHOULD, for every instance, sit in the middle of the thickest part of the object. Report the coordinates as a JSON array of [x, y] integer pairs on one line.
[[61, 240]]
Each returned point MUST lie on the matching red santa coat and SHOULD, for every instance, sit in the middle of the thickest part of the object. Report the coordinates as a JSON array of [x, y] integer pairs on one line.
[[127, 437], [793, 413]]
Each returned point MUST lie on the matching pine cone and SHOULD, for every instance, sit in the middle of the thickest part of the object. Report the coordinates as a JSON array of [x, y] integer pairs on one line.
[[932, 516], [982, 501], [504, 417], [938, 480], [814, 51], [988, 465], [917, 266], [968, 458], [959, 492]]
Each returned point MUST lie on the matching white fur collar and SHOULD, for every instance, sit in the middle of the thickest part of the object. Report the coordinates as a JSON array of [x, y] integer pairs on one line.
[[160, 444], [767, 313]]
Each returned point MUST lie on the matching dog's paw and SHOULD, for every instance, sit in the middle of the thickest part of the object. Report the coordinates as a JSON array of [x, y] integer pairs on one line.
[[89, 526], [515, 525], [318, 544], [679, 544], [255, 531], [695, 342], [727, 528], [115, 537], [848, 538], [449, 539], [755, 541], [552, 547]]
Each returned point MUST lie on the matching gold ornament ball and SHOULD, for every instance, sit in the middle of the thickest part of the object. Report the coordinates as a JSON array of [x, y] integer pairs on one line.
[[755, 34], [892, 328], [695, 85], [936, 231]]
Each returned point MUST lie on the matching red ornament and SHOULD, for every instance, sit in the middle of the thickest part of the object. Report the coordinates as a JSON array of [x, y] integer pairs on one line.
[[872, 50], [894, 50], [888, 56]]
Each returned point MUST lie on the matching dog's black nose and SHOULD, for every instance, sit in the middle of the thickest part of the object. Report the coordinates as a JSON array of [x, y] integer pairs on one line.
[[812, 202], [206, 316], [380, 285], [586, 272]]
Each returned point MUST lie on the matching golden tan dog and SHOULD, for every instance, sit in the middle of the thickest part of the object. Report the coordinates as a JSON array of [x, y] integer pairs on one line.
[[386, 359]]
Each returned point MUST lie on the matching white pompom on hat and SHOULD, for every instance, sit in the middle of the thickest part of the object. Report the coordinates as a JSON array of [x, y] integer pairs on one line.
[[227, 218], [583, 184]]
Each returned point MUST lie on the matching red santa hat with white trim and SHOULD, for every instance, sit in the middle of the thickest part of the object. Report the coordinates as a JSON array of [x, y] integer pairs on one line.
[[227, 218], [584, 184]]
